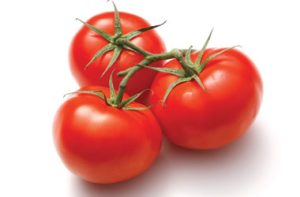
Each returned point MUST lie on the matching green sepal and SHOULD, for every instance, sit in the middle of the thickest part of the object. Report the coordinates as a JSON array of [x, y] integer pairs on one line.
[[173, 85], [188, 57], [98, 93], [135, 33], [199, 57], [131, 99], [102, 51], [200, 83], [117, 52], [179, 73], [111, 87], [137, 108], [103, 34], [117, 23], [200, 68]]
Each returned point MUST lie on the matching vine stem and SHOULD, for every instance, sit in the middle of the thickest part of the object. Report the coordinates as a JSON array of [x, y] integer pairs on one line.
[[116, 43], [149, 58]]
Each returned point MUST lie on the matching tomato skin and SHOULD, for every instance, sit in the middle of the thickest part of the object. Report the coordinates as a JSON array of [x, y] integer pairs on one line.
[[86, 43], [195, 119], [102, 144]]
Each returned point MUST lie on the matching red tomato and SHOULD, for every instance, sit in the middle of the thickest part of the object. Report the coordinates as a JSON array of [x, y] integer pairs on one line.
[[103, 144], [193, 118], [86, 43]]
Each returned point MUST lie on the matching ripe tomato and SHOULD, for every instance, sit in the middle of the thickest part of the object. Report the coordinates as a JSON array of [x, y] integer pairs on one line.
[[103, 144], [196, 119], [87, 43]]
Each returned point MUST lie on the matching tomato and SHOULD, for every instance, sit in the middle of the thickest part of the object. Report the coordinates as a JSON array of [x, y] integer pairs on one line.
[[103, 144], [198, 119], [87, 43]]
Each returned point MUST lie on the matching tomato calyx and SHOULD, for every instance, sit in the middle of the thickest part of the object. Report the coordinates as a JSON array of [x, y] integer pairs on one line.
[[190, 70], [112, 99], [116, 42]]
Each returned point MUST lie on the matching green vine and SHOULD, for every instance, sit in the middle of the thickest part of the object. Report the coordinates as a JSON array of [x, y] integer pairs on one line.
[[118, 42]]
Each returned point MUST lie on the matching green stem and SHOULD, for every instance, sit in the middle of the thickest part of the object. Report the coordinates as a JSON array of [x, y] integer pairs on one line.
[[123, 84], [149, 58], [188, 72], [120, 41], [125, 42]]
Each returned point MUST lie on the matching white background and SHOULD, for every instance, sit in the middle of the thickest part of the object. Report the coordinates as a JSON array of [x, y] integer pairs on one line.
[[34, 75]]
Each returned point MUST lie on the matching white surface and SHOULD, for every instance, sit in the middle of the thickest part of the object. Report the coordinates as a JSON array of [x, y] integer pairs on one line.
[[34, 75]]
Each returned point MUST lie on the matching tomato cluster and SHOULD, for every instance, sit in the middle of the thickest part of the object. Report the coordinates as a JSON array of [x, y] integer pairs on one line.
[[199, 99]]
